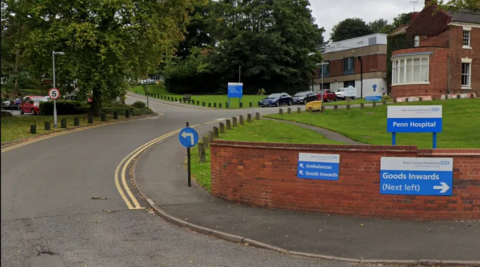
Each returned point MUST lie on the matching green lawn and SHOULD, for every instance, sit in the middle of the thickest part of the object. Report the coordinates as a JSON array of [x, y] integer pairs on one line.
[[257, 131], [18, 127], [461, 124], [352, 102]]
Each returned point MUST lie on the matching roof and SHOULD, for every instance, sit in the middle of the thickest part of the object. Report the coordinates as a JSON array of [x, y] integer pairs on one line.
[[400, 30], [465, 16]]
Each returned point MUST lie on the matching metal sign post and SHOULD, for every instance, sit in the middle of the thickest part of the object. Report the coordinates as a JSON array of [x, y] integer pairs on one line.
[[188, 137]]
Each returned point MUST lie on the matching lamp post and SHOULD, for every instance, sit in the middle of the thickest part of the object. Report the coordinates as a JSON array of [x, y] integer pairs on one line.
[[54, 86], [322, 64], [361, 76], [239, 73]]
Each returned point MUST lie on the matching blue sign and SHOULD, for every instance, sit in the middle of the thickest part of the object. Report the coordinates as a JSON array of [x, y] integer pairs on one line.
[[374, 87], [375, 98], [414, 119], [188, 137], [235, 90], [318, 166], [416, 176]]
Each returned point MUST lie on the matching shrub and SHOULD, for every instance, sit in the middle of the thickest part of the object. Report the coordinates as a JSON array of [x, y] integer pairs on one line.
[[64, 108], [121, 108], [386, 97], [139, 104], [6, 114]]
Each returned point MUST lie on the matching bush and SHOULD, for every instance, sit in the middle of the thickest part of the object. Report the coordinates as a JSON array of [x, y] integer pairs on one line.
[[6, 114], [139, 104], [121, 108], [64, 108]]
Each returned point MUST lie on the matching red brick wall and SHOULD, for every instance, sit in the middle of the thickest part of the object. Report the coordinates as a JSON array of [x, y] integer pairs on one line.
[[371, 63], [264, 175]]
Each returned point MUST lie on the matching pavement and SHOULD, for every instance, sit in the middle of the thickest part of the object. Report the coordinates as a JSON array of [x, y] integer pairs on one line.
[[162, 178], [60, 205]]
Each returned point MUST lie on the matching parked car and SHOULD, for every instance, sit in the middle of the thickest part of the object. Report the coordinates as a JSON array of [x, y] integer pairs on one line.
[[340, 93], [276, 100], [31, 104], [328, 95], [304, 97], [11, 104]]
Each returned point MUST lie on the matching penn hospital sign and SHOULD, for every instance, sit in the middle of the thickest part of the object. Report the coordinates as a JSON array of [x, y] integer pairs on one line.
[[415, 119]]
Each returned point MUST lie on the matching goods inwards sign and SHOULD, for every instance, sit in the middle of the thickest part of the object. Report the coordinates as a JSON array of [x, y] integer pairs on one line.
[[414, 119], [318, 166], [416, 176]]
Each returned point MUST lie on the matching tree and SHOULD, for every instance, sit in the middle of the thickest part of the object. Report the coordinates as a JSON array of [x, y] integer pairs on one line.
[[104, 41], [378, 26], [350, 28], [458, 5]]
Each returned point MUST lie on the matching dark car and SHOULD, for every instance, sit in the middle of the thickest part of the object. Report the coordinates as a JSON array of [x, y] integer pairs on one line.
[[327, 95], [12, 104], [304, 97], [275, 100]]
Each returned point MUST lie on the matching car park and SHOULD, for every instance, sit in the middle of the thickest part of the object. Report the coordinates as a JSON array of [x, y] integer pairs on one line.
[[304, 97], [275, 100], [328, 95], [31, 104]]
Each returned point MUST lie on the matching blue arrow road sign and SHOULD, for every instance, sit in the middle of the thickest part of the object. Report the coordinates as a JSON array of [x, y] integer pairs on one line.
[[318, 166], [416, 176], [188, 137]]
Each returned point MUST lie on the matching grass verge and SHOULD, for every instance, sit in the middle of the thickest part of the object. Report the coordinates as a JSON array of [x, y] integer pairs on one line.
[[257, 131], [461, 124], [353, 102], [18, 127]]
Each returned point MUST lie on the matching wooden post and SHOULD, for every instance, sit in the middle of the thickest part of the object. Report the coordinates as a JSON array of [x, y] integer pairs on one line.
[[241, 119], [64, 123], [384, 101], [115, 115], [299, 110], [257, 116], [348, 107], [395, 100], [33, 129], [215, 132], [214, 105], [240, 105], [310, 109], [205, 142], [249, 117], [458, 96], [47, 126], [203, 103], [322, 109], [229, 125], [280, 111], [76, 122], [127, 114], [210, 135], [335, 108], [251, 104], [103, 117], [234, 122], [201, 153], [220, 105], [209, 105], [421, 99], [374, 104], [289, 110], [362, 105], [222, 127], [90, 117], [406, 99]]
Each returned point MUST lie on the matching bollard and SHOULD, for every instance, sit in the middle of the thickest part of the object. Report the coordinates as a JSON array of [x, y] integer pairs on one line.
[[234, 121], [458, 96], [222, 127], [210, 135], [395, 100], [220, 105], [203, 104], [348, 107], [249, 117], [209, 105], [289, 110], [127, 113], [47, 126], [103, 117], [257, 116], [322, 109], [201, 153], [115, 115], [241, 119], [374, 104], [310, 109], [206, 142], [226, 105], [64, 123], [406, 99], [33, 129], [229, 125], [76, 122], [215, 105], [251, 104], [299, 110], [280, 111], [472, 95], [90, 118], [215, 132], [362, 105], [240, 105], [420, 99], [384, 101], [198, 103], [335, 108]]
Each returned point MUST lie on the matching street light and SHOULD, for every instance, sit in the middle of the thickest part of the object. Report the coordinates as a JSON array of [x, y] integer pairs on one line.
[[361, 76], [322, 64], [54, 86]]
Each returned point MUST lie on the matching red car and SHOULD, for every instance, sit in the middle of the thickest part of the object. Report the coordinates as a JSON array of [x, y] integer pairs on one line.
[[31, 104], [327, 95]]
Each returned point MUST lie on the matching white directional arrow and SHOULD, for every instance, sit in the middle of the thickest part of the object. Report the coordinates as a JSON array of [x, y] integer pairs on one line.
[[185, 135], [301, 172], [444, 187], [301, 165]]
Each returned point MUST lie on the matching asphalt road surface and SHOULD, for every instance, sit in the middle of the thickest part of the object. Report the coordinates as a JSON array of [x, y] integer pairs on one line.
[[60, 205]]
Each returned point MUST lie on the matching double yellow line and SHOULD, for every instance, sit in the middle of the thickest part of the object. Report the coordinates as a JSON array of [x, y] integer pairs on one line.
[[121, 170]]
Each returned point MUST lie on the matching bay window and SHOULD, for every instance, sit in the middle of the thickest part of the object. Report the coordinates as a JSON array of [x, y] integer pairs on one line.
[[410, 70]]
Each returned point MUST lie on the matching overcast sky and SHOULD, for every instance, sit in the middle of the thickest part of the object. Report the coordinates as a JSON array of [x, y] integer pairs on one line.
[[327, 13]]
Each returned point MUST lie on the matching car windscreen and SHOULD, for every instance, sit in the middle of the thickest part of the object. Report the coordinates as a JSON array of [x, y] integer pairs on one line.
[[38, 99], [340, 90], [301, 94], [274, 95]]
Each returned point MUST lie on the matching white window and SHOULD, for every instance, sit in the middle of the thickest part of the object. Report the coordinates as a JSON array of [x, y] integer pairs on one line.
[[466, 39], [466, 75], [410, 70]]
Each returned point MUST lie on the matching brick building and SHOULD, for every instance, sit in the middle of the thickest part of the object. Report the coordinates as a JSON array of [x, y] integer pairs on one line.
[[345, 68], [440, 54]]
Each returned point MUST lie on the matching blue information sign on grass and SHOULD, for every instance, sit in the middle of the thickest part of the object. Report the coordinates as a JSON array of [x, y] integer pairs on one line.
[[414, 119], [318, 166], [416, 176], [235, 90], [375, 98]]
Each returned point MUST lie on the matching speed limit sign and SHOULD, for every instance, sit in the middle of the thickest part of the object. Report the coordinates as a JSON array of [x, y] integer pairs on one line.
[[54, 93]]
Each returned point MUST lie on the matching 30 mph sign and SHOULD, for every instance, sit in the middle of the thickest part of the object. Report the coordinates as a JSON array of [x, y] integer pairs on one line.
[[54, 93]]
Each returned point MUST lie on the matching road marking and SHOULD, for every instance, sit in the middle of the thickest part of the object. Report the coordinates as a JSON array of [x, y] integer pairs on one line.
[[125, 162]]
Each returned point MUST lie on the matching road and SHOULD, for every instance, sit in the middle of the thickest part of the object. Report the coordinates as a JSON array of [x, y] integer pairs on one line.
[[60, 205]]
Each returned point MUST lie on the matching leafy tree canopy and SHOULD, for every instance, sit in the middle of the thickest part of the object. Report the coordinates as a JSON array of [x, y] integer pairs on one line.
[[350, 28], [457, 5]]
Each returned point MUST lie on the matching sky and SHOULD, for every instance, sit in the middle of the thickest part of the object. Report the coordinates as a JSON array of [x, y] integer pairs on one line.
[[328, 13]]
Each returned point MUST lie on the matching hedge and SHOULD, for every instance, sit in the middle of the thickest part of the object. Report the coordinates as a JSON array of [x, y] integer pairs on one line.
[[64, 108]]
